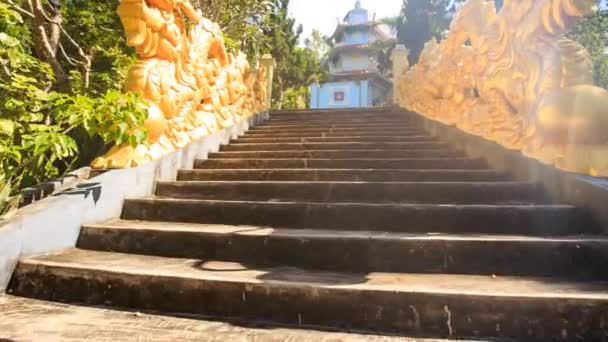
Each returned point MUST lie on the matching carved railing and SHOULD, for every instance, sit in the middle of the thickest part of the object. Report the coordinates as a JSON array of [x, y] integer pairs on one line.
[[514, 78], [193, 87]]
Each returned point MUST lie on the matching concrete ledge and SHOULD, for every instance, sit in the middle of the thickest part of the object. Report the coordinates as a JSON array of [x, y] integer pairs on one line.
[[583, 191], [37, 193], [54, 223]]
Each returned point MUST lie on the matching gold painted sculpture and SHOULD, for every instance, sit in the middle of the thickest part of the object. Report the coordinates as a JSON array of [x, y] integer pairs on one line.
[[514, 78], [193, 86]]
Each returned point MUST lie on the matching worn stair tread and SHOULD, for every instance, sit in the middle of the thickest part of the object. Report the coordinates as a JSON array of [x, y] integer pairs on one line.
[[336, 121], [498, 185], [490, 171], [330, 135], [351, 130], [571, 257], [340, 174], [295, 182], [422, 206], [261, 231], [333, 146], [439, 153], [370, 126], [94, 263], [373, 112], [477, 218], [342, 163], [339, 128], [50, 321], [380, 192], [252, 140]]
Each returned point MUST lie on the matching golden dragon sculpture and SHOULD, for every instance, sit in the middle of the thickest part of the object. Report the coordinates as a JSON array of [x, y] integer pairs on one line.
[[193, 87], [514, 78]]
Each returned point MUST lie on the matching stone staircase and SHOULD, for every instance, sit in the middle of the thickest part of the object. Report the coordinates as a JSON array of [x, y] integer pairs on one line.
[[349, 221]]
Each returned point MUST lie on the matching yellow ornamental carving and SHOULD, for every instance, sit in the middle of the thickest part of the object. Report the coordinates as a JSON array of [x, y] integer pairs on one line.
[[193, 86], [514, 78]]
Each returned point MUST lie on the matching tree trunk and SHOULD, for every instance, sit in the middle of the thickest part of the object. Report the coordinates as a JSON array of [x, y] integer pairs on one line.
[[46, 33]]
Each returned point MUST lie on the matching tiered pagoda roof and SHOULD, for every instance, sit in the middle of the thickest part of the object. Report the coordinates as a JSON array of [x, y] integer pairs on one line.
[[355, 22]]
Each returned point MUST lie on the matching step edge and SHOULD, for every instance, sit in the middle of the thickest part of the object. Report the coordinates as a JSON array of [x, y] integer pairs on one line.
[[322, 234], [422, 206], [72, 267]]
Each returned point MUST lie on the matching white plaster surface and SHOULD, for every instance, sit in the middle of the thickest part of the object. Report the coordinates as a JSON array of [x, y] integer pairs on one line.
[[54, 223]]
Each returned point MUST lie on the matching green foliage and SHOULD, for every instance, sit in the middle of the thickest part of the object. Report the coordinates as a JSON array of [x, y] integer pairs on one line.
[[98, 30], [296, 98], [422, 20], [35, 133], [45, 132], [257, 27], [37, 126], [592, 33], [12, 23], [295, 67], [240, 20], [317, 43]]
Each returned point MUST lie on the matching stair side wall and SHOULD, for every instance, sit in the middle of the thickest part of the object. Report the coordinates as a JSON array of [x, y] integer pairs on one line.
[[583, 191], [54, 223]]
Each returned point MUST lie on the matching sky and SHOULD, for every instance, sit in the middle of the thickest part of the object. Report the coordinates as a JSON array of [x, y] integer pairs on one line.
[[322, 14]]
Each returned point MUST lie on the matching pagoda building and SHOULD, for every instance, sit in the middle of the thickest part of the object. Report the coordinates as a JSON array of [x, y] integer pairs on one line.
[[354, 78]]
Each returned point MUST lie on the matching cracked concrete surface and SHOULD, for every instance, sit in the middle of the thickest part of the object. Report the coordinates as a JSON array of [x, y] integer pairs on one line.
[[33, 320]]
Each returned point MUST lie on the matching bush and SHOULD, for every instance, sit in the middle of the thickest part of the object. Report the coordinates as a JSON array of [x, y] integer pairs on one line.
[[37, 126], [592, 33]]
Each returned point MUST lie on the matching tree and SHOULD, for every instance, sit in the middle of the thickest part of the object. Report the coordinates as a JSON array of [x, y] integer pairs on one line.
[[103, 57], [38, 124], [240, 20], [592, 33], [421, 20], [63, 64], [305, 70], [281, 40], [295, 67], [414, 30], [317, 43]]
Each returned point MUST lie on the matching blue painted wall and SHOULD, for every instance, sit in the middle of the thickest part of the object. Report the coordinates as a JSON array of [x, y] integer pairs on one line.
[[339, 95], [353, 61], [357, 16], [359, 36]]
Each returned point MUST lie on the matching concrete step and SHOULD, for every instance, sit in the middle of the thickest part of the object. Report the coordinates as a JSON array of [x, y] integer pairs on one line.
[[333, 115], [340, 116], [278, 140], [581, 257], [329, 154], [357, 192], [312, 125], [337, 128], [538, 220], [336, 123], [439, 163], [334, 146], [338, 132], [56, 322], [392, 129], [344, 175], [434, 305], [362, 134]]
